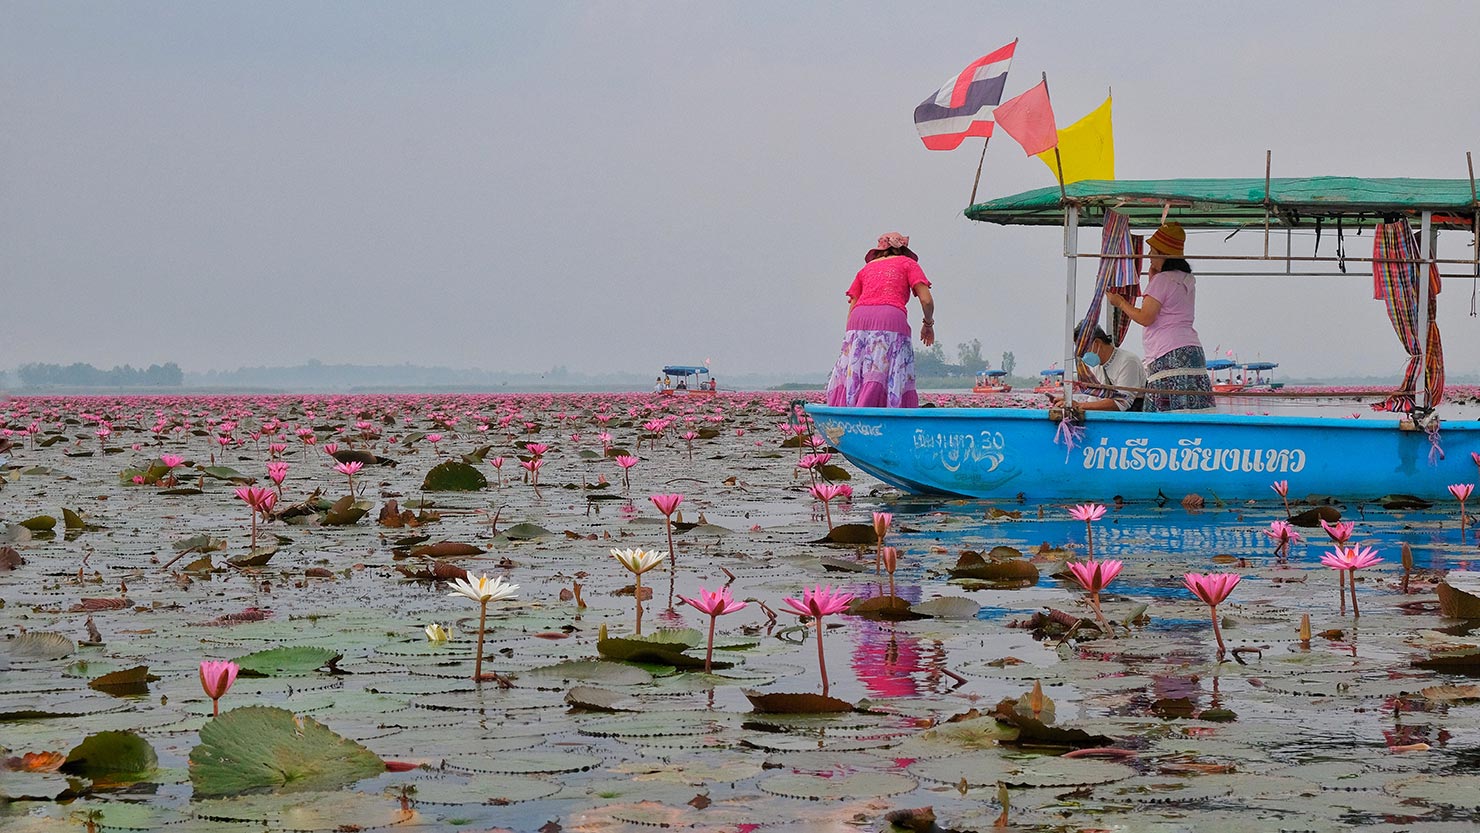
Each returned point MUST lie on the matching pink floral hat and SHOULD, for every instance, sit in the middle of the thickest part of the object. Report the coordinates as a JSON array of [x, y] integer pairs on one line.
[[892, 240]]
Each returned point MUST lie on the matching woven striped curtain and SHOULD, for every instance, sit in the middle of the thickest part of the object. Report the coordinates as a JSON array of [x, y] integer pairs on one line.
[[1396, 283], [1116, 274]]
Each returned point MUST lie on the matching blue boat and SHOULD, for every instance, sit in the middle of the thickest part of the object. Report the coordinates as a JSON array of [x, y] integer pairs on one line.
[[1098, 455]]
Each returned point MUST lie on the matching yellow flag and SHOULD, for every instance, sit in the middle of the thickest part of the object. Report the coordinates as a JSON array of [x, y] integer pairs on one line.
[[1086, 148]]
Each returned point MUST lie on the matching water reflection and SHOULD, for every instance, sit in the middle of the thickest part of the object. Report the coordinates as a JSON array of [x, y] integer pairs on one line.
[[891, 662]]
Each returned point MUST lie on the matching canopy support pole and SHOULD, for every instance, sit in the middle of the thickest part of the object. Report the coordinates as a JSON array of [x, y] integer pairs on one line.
[[978, 180], [1267, 155], [1426, 235], [1071, 248]]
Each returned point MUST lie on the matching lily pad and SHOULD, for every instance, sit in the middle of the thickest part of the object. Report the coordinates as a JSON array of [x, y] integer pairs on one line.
[[973, 565], [40, 523], [851, 534], [591, 671], [126, 682], [948, 607], [859, 785], [40, 645], [112, 756], [454, 476], [525, 532], [261, 747], [287, 662], [796, 703]]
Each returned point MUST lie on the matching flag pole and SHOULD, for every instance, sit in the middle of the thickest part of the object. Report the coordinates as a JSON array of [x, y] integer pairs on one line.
[[979, 162], [1059, 163]]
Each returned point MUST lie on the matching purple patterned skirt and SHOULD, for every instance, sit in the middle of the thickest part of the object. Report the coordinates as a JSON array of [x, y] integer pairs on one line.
[[877, 365]]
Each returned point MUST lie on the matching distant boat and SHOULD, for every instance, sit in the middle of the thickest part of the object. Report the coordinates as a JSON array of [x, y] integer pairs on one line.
[[1050, 380], [991, 381], [687, 380]]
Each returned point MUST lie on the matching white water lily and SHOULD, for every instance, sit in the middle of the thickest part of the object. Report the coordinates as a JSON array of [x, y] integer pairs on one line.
[[483, 589], [638, 561], [437, 633]]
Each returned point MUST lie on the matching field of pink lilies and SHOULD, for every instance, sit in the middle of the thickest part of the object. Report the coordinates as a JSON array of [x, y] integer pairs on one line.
[[613, 612]]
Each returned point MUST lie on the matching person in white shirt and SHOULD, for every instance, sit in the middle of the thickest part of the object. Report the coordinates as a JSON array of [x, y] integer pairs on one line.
[[1107, 364]]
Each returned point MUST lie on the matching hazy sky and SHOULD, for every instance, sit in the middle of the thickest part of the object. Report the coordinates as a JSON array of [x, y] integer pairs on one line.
[[614, 185]]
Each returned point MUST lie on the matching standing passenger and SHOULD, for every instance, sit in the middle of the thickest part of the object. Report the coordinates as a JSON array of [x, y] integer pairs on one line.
[[1175, 365], [877, 366]]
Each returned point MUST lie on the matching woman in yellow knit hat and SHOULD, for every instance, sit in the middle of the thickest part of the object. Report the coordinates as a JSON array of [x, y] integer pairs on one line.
[[1175, 364]]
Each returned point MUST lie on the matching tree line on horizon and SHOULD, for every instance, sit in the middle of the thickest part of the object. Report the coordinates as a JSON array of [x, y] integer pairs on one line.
[[84, 375]]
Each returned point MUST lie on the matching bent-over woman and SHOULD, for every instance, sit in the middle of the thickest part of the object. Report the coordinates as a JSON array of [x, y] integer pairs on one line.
[[1175, 365], [877, 366]]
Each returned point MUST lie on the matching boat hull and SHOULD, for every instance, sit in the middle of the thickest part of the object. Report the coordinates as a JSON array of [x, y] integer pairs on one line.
[[1007, 452]]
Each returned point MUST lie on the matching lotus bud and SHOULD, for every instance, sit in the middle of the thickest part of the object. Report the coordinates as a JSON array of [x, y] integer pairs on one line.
[[1305, 628], [1035, 699]]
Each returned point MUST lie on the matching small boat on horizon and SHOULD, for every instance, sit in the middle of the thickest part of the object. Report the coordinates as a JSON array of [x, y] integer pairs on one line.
[[991, 381]]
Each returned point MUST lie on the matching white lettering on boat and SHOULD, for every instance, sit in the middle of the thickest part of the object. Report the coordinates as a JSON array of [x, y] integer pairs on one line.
[[1137, 454], [834, 429], [955, 450]]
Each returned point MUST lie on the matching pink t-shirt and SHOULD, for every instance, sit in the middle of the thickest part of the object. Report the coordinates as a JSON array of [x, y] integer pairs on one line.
[[887, 281], [1177, 292]]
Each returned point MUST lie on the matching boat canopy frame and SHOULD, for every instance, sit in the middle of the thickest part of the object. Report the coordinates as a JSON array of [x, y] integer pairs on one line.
[[684, 370], [1289, 203]]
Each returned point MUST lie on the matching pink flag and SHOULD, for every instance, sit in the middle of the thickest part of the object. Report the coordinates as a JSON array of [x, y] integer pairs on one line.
[[1028, 118]]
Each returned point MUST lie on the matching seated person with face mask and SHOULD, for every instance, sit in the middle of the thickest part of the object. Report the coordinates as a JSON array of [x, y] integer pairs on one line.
[[1106, 364]]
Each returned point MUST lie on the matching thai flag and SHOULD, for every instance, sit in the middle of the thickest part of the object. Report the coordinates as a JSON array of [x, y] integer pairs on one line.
[[963, 105]]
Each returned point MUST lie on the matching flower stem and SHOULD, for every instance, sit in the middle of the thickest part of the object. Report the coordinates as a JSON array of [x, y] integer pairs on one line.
[[1341, 589], [821, 661], [638, 596], [1217, 632], [1089, 537], [827, 507], [1353, 586], [215, 707], [672, 558], [709, 652], [478, 664]]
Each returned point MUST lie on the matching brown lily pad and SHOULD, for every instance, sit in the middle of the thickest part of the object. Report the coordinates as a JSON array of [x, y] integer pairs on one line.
[[796, 703]]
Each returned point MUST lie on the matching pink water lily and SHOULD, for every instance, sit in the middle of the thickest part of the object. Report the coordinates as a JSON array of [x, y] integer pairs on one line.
[[889, 556], [1283, 535], [1348, 560], [1339, 532], [1461, 492], [668, 504], [1282, 488], [1094, 576], [817, 602], [713, 604], [349, 470], [882, 522], [1089, 513], [1212, 589], [171, 460], [261, 500], [216, 678], [626, 461], [498, 466], [825, 492]]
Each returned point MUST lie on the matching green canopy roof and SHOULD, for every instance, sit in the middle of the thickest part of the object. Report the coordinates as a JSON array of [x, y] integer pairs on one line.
[[1228, 203]]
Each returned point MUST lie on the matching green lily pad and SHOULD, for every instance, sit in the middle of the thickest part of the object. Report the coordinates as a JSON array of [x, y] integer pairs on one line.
[[40, 523], [346, 511], [525, 532], [112, 756], [591, 671], [856, 786], [454, 476], [227, 473], [287, 661], [259, 747]]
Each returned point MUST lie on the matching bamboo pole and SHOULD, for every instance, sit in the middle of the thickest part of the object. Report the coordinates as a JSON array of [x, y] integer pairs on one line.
[[978, 179], [1071, 253], [1268, 155]]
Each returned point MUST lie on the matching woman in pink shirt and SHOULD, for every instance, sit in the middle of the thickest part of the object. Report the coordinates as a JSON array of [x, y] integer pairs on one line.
[[1175, 365], [877, 365]]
